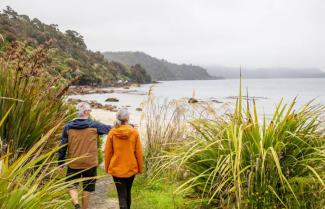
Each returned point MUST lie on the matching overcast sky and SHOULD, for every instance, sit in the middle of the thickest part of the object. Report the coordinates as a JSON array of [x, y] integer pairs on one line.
[[253, 33]]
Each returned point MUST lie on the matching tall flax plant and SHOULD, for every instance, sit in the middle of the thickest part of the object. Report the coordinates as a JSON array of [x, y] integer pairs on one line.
[[242, 161], [32, 180], [38, 103]]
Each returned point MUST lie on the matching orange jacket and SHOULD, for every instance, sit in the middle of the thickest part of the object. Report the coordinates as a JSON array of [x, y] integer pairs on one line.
[[123, 152]]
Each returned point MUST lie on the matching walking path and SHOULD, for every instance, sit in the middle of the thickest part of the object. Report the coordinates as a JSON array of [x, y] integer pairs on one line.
[[99, 199]]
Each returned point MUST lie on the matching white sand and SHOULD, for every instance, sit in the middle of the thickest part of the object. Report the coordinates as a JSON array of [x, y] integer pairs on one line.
[[108, 117]]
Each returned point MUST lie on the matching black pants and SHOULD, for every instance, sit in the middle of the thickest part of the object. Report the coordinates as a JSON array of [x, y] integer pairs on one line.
[[87, 185], [123, 187]]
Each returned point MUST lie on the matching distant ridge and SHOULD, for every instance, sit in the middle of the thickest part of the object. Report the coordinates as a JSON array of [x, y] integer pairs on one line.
[[280, 72], [160, 69]]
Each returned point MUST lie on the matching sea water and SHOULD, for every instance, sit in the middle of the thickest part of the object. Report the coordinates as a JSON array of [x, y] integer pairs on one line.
[[267, 92]]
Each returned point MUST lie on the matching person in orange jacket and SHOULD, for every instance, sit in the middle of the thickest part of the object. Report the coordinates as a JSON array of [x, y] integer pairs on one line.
[[123, 156]]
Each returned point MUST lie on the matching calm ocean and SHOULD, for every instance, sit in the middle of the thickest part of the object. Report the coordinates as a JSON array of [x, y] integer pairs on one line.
[[268, 91]]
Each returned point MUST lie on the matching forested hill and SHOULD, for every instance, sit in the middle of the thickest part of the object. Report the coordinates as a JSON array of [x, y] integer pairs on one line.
[[68, 51], [160, 69]]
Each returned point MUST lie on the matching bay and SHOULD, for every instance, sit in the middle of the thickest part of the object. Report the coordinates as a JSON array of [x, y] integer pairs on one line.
[[267, 92]]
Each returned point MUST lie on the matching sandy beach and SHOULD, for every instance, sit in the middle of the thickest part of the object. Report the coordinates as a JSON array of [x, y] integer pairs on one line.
[[125, 98], [108, 117]]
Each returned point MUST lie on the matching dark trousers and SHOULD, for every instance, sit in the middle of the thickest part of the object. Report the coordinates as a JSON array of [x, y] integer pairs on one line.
[[123, 187], [87, 185]]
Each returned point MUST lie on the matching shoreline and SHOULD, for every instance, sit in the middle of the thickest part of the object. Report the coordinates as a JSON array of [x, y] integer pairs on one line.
[[108, 117], [218, 93], [105, 111]]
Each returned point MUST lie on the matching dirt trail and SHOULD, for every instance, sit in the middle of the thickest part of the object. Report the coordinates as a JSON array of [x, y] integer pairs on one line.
[[99, 199]]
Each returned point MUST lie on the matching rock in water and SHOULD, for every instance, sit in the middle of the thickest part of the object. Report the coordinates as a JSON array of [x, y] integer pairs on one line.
[[112, 99], [139, 109], [215, 101], [193, 100]]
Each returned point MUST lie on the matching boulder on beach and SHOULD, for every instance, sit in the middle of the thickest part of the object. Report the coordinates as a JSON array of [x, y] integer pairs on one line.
[[112, 99], [73, 101], [193, 100]]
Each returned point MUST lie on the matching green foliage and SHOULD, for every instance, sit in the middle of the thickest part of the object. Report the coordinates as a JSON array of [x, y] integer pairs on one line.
[[159, 69], [163, 125], [135, 74], [68, 50], [157, 194], [244, 162], [32, 180], [138, 74], [153, 194], [100, 154], [38, 96]]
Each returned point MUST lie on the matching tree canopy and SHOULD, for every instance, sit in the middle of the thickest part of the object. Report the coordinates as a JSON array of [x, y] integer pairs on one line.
[[68, 51]]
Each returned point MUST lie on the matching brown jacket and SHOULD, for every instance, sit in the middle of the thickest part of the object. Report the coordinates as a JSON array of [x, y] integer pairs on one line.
[[80, 136], [82, 146]]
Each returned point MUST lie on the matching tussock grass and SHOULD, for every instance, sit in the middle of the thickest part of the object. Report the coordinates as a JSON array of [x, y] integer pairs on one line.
[[242, 161], [238, 159]]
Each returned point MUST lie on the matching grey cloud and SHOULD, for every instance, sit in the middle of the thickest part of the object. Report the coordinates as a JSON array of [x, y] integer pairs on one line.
[[254, 33]]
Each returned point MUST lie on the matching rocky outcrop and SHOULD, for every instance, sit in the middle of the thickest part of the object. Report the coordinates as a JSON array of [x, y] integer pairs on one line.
[[94, 104], [80, 90]]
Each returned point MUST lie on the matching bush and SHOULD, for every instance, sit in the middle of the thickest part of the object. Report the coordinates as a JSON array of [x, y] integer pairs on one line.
[[32, 180], [37, 102], [244, 162], [165, 125]]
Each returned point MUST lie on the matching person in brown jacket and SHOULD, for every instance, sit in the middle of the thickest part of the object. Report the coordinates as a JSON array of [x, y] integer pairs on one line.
[[123, 156], [80, 137]]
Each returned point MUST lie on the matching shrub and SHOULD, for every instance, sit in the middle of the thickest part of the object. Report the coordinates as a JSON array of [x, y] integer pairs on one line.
[[32, 180], [38, 96], [241, 161]]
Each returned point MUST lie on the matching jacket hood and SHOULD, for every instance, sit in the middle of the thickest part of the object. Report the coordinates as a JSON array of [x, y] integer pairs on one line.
[[80, 123], [122, 132]]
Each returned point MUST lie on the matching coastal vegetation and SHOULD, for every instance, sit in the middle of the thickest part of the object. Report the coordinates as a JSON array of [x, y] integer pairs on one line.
[[68, 51], [160, 69], [32, 93], [196, 156], [32, 115], [32, 180], [239, 160]]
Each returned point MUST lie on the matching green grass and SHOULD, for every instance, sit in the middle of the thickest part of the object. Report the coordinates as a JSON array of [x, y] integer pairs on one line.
[[158, 194]]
